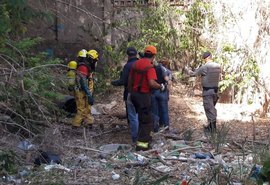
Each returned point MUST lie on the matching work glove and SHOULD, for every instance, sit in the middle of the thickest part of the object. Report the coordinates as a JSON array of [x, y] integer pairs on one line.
[[90, 100], [162, 87]]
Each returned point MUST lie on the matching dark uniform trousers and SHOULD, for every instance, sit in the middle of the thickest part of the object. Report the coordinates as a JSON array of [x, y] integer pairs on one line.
[[142, 104]]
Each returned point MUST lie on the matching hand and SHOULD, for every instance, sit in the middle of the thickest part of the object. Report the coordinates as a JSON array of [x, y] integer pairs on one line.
[[113, 82], [162, 87], [90, 100]]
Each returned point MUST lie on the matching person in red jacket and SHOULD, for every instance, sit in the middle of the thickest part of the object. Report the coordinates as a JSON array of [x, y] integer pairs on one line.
[[142, 79]]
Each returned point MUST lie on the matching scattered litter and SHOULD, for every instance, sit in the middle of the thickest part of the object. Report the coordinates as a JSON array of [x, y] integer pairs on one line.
[[94, 111], [255, 172], [82, 157], [11, 178], [111, 148], [115, 176], [23, 173], [163, 168], [26, 145], [140, 158], [104, 108], [56, 166], [47, 158], [202, 156]]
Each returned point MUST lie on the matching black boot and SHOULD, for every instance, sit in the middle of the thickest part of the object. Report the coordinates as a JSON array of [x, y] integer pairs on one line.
[[213, 126], [207, 128]]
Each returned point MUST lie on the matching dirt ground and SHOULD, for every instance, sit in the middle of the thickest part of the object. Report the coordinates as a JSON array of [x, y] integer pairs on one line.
[[79, 149]]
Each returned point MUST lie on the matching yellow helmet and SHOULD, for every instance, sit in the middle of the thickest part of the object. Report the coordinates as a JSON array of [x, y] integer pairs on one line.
[[93, 54], [82, 53], [72, 65]]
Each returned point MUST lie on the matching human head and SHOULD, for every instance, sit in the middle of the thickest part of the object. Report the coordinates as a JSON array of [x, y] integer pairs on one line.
[[206, 55], [131, 52], [82, 53], [72, 65], [93, 54], [165, 62], [150, 51]]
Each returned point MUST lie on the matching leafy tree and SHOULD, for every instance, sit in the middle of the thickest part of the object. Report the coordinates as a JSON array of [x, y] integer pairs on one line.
[[30, 82]]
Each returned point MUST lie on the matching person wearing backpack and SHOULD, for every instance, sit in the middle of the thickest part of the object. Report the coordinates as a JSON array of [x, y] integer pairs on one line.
[[159, 99], [83, 91], [142, 79]]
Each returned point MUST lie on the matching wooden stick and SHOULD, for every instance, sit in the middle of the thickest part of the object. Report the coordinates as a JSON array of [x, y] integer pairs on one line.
[[84, 136], [162, 160], [87, 148], [180, 149]]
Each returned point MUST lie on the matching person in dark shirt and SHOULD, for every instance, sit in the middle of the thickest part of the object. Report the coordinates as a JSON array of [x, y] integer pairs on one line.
[[132, 116]]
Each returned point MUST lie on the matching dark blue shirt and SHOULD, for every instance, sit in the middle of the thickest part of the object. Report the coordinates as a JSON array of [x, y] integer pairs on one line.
[[124, 76]]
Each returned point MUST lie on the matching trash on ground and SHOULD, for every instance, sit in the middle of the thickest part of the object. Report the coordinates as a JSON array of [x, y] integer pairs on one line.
[[104, 108], [56, 166], [202, 156], [26, 145], [111, 148], [115, 176], [47, 158], [163, 168]]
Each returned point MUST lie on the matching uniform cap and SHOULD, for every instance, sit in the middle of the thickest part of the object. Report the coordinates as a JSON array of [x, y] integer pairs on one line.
[[131, 51], [151, 50], [206, 54]]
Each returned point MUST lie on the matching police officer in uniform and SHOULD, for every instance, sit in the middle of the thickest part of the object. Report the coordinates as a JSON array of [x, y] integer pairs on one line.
[[210, 73]]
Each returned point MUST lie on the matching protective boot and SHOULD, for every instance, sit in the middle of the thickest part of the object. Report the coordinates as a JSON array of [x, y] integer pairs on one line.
[[213, 126], [88, 118]]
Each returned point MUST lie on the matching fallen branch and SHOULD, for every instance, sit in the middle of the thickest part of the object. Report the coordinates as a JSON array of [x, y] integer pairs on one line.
[[42, 66], [135, 164], [157, 170], [162, 160], [181, 149], [172, 137], [87, 148], [258, 142], [18, 125], [107, 132], [238, 145]]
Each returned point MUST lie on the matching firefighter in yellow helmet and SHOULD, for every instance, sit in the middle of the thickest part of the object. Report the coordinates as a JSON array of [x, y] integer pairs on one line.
[[92, 58], [83, 91]]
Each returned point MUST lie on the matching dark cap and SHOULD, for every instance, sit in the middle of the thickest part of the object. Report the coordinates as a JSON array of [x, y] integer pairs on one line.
[[206, 54], [131, 51]]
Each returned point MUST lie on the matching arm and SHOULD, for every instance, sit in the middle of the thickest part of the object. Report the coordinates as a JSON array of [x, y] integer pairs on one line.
[[153, 84], [152, 76], [201, 71], [123, 78], [82, 72], [85, 88]]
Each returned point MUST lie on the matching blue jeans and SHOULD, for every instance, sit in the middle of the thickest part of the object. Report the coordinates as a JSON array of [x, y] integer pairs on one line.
[[160, 110], [133, 119]]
